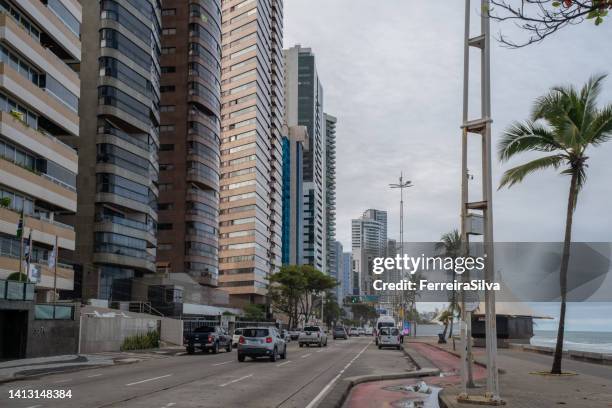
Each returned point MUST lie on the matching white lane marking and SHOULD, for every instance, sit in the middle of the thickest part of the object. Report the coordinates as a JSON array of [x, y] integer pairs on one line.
[[318, 351], [282, 364], [320, 395], [34, 406], [182, 353], [94, 375], [225, 362], [236, 380], [148, 379], [306, 355], [62, 381]]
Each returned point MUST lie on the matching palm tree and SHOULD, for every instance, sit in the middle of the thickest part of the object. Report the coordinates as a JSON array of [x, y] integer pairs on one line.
[[450, 246], [563, 124], [446, 317]]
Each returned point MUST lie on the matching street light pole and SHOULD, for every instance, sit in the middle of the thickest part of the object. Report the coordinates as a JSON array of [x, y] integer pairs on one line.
[[402, 185], [481, 127]]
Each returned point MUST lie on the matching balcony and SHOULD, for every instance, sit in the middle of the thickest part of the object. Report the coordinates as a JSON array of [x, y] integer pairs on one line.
[[15, 290], [47, 104]]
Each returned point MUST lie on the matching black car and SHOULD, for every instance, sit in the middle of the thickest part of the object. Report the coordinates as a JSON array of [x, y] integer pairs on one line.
[[340, 333], [208, 338]]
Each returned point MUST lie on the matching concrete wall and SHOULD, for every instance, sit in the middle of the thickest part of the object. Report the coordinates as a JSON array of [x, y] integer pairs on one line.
[[171, 331], [105, 329]]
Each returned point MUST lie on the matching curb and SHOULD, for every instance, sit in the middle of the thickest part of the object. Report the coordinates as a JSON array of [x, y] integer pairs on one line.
[[58, 371], [336, 397]]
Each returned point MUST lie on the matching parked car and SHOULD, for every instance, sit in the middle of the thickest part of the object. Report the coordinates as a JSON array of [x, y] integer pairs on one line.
[[313, 335], [286, 336], [369, 331], [208, 338], [261, 342], [236, 337], [389, 337], [339, 332], [362, 331], [354, 332], [294, 333]]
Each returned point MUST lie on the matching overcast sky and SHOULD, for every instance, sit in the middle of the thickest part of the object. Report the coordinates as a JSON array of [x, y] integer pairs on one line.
[[391, 73]]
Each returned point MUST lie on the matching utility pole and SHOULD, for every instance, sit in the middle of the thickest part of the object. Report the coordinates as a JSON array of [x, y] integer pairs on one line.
[[482, 209], [402, 185]]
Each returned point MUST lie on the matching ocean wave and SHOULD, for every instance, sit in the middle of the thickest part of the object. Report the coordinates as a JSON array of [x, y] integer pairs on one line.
[[570, 345]]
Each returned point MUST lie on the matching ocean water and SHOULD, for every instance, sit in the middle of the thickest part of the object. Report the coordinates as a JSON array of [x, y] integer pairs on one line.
[[598, 342]]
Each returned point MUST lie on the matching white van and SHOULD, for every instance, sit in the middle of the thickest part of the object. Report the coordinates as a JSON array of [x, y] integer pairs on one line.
[[383, 321]]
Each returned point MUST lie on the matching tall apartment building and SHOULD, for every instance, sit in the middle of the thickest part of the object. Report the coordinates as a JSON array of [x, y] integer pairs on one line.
[[189, 157], [330, 194], [336, 270], [40, 52], [293, 205], [118, 147], [369, 240], [304, 107], [346, 274], [252, 86]]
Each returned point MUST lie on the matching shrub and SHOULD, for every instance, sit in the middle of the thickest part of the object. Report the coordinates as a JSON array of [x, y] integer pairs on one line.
[[141, 341]]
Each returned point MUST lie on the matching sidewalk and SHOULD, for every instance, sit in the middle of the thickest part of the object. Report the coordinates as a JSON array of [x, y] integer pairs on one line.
[[592, 388], [14, 370]]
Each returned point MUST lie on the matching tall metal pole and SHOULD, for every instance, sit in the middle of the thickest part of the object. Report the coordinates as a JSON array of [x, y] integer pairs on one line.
[[487, 192], [402, 185], [481, 126]]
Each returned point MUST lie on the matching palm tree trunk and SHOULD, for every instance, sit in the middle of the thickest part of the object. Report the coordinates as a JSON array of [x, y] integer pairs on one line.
[[556, 367]]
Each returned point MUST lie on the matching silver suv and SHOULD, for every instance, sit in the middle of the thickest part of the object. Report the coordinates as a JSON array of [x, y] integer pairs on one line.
[[261, 342], [313, 335]]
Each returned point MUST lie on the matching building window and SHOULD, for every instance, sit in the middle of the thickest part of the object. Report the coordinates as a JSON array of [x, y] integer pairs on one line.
[[169, 31], [166, 128], [164, 226], [168, 70], [169, 12], [166, 88], [168, 50], [166, 147]]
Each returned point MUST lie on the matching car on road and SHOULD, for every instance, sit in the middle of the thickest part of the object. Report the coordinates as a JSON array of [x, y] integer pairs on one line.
[[369, 331], [313, 335], [362, 331], [294, 333], [286, 336], [339, 332], [236, 337], [261, 342], [208, 338], [354, 332], [389, 337]]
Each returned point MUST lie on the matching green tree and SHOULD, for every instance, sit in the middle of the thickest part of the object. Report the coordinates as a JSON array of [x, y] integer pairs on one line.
[[446, 317], [450, 246], [564, 124], [254, 312], [363, 312], [294, 290], [287, 287], [331, 310]]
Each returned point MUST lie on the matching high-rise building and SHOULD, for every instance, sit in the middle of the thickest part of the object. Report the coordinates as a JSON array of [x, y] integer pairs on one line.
[[369, 240], [330, 193], [118, 147], [189, 157], [40, 52], [346, 275], [336, 270], [252, 87], [304, 107], [293, 221]]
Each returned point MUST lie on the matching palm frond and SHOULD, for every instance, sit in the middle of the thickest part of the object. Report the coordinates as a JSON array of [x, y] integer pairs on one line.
[[600, 129], [527, 136], [518, 173]]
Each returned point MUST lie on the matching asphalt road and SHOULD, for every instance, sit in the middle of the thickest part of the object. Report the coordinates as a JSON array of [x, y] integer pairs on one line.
[[207, 380]]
